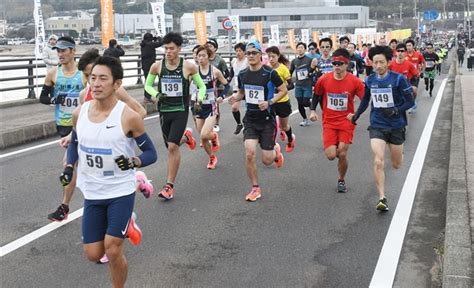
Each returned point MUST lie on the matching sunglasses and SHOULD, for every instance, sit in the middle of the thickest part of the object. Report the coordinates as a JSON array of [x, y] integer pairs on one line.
[[312, 48], [400, 50], [252, 53], [337, 63], [325, 46]]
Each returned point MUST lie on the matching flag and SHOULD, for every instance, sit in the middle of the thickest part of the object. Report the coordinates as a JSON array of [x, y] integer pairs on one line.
[[316, 37], [40, 38], [236, 24], [275, 34], [107, 25], [291, 38], [305, 36], [258, 27], [334, 39], [201, 26], [159, 23]]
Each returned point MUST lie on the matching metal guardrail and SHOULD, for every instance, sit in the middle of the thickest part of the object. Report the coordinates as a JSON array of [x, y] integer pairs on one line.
[[34, 63]]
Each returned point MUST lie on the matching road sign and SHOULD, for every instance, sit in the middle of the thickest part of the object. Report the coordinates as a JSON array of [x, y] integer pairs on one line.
[[227, 24], [430, 15]]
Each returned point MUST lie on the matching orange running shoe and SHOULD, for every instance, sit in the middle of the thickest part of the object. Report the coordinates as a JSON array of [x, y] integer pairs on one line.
[[215, 142], [133, 231], [167, 192], [279, 159], [254, 194], [191, 141], [282, 135], [212, 162], [290, 146]]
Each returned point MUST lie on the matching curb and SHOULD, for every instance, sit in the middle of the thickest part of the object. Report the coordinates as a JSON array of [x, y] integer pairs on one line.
[[457, 245]]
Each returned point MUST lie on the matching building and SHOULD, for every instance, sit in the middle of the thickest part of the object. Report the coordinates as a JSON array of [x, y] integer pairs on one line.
[[3, 28], [138, 23], [316, 15], [75, 20]]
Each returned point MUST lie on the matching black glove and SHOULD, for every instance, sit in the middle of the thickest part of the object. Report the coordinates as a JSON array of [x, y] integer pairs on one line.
[[59, 99], [390, 112], [66, 177], [160, 96], [354, 119], [124, 163], [290, 86], [422, 75]]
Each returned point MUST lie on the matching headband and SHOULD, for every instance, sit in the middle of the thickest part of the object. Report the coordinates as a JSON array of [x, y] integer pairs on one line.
[[340, 59]]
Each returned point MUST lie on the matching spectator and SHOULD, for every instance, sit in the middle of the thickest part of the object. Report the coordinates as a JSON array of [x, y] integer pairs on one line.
[[461, 51], [114, 50], [50, 56], [148, 55]]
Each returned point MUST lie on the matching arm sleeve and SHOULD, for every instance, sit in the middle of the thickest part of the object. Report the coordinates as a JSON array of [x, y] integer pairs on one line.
[[149, 85], [314, 102], [364, 103], [407, 93], [201, 86], [292, 67], [45, 96], [225, 91], [149, 155], [72, 155]]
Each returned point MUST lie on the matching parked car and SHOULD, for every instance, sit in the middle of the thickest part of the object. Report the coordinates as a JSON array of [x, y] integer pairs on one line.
[[3, 41]]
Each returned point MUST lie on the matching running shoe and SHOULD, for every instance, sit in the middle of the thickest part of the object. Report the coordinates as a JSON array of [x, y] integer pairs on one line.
[[60, 214], [103, 260], [143, 184], [216, 128], [254, 194], [382, 205], [341, 186], [426, 88], [282, 135], [290, 146], [238, 128], [167, 192], [215, 142], [133, 231], [304, 123], [279, 159], [212, 162], [191, 141]]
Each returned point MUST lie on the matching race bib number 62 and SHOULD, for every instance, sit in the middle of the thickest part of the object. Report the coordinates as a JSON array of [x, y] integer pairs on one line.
[[254, 94]]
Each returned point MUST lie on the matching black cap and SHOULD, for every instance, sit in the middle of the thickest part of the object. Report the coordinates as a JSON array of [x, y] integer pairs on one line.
[[213, 42]]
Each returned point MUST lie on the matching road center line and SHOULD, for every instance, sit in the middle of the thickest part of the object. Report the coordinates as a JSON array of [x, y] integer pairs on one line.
[[387, 263]]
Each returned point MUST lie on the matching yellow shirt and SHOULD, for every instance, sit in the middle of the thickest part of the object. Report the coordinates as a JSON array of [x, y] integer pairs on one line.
[[284, 74]]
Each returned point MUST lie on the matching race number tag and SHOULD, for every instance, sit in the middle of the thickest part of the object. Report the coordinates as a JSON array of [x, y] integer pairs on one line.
[[254, 94], [70, 103], [98, 162], [210, 97], [353, 67], [301, 74], [337, 102], [430, 64], [172, 87], [382, 97]]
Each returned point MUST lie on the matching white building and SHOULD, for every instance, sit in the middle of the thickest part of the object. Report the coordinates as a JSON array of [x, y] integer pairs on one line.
[[76, 20], [316, 15], [138, 23]]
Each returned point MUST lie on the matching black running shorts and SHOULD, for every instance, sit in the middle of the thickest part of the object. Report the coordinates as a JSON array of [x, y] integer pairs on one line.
[[173, 125], [392, 136], [264, 130]]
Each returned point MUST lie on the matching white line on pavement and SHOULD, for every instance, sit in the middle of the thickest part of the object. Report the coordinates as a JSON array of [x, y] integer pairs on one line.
[[12, 246], [386, 268]]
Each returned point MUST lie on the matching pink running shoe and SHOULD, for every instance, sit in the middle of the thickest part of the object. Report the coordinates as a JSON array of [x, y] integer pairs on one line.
[[103, 260], [143, 184]]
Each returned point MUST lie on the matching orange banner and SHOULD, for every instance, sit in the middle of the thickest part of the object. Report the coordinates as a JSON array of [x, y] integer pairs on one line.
[[201, 27], [258, 27], [377, 39], [316, 37], [367, 39], [359, 41], [291, 38], [107, 21], [335, 43]]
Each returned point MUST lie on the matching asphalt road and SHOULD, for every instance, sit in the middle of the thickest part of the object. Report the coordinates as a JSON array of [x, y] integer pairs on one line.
[[301, 233]]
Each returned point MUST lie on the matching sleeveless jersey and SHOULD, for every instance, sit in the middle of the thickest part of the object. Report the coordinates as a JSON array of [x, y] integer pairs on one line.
[[210, 83], [69, 86], [325, 65], [238, 66], [175, 86], [98, 176]]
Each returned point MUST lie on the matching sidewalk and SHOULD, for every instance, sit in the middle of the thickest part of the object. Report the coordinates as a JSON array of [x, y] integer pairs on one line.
[[458, 245], [28, 120]]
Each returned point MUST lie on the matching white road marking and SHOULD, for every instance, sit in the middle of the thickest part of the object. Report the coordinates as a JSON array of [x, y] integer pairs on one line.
[[12, 246], [387, 263]]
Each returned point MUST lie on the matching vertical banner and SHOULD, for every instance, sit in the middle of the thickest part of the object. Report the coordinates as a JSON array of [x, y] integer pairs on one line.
[[201, 27], [305, 36], [258, 27], [367, 39], [39, 30], [377, 39], [275, 34], [291, 38], [158, 9], [334, 39], [359, 41], [316, 37], [106, 19], [236, 24]]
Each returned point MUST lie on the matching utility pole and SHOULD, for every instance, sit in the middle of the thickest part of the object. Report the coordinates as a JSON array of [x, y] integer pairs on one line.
[[229, 33], [401, 7], [469, 23]]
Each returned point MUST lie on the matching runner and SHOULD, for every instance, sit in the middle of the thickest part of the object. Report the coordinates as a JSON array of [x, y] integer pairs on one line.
[[417, 59], [174, 74], [62, 86], [313, 51], [336, 92], [238, 64], [257, 84], [324, 63], [356, 64], [304, 67], [102, 144], [431, 59], [369, 69], [344, 41], [282, 107], [401, 65], [391, 95], [206, 113], [393, 45], [220, 64]]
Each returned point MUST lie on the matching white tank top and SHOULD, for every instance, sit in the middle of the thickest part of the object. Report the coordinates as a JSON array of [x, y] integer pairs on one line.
[[238, 66], [98, 176]]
